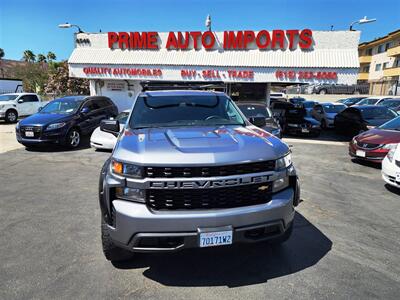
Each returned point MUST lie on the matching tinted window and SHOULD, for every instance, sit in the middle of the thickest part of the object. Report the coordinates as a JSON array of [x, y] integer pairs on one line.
[[393, 124], [390, 103], [254, 110], [30, 98], [102, 102], [377, 113], [169, 111], [92, 105]]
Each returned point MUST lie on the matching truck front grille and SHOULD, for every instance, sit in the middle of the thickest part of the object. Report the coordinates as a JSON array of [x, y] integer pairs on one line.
[[237, 196], [227, 170]]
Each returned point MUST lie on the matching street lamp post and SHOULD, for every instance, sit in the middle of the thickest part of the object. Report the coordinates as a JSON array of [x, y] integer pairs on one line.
[[67, 25], [361, 21]]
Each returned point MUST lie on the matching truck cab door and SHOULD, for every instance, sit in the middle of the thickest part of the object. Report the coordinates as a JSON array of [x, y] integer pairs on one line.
[[23, 105]]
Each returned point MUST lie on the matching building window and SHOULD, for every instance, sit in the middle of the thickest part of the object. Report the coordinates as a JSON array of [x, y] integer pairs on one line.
[[381, 48], [365, 69], [388, 45], [369, 52], [397, 63], [378, 67], [385, 65]]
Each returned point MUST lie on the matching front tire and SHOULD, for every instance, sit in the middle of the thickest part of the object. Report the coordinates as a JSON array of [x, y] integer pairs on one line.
[[323, 92], [110, 250], [73, 138], [11, 116]]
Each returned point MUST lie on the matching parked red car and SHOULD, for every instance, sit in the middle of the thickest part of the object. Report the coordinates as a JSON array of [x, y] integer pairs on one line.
[[374, 144]]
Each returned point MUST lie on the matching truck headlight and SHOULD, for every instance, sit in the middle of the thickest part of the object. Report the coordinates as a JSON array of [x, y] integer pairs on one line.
[[129, 170], [131, 194], [280, 184], [283, 162], [55, 126]]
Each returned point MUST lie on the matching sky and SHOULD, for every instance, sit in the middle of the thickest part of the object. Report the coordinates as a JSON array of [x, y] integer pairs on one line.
[[28, 24]]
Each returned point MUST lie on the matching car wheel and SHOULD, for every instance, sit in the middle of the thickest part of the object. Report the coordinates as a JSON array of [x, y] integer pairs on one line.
[[110, 250], [323, 124], [284, 237], [322, 92], [11, 116], [73, 138]]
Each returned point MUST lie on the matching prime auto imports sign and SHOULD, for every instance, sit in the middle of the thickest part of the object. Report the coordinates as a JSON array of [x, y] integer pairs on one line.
[[232, 40]]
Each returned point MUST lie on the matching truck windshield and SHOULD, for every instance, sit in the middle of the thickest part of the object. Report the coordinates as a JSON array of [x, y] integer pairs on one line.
[[61, 106], [172, 111], [8, 97]]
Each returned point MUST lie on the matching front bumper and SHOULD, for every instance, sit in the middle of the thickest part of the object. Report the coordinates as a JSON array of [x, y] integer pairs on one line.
[[389, 170], [376, 155], [300, 131], [135, 223], [50, 137]]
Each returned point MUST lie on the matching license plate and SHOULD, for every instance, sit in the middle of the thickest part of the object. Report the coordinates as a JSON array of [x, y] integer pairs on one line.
[[29, 133], [216, 238], [305, 130], [360, 153], [398, 176]]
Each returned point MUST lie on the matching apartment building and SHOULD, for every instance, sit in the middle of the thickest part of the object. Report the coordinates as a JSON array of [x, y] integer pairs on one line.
[[380, 64]]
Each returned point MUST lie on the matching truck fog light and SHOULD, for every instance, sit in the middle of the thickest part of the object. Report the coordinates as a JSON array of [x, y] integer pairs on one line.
[[280, 184], [130, 194]]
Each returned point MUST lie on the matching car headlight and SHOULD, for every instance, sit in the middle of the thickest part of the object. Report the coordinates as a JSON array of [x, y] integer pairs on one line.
[[293, 125], [354, 141], [55, 126], [390, 154], [390, 146], [125, 169], [283, 162], [130, 194], [2, 106], [280, 184], [370, 127], [16, 126]]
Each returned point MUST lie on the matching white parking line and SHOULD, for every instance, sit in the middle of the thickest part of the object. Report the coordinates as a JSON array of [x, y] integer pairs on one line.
[[315, 142]]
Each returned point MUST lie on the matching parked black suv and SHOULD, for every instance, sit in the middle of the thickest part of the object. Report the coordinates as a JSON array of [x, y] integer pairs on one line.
[[63, 121]]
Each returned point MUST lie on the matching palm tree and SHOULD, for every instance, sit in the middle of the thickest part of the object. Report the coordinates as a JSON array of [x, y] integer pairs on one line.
[[29, 56], [51, 56], [41, 58], [1, 53]]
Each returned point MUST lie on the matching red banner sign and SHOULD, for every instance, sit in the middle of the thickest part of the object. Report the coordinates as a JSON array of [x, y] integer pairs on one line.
[[263, 39]]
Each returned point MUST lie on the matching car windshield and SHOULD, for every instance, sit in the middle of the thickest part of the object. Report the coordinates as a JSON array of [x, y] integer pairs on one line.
[[367, 101], [390, 103], [334, 108], [377, 113], [393, 124], [122, 117], [308, 104], [62, 106], [8, 97], [186, 110], [255, 110]]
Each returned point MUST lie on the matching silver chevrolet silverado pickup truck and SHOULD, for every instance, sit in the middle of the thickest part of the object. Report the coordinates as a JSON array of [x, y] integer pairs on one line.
[[189, 170]]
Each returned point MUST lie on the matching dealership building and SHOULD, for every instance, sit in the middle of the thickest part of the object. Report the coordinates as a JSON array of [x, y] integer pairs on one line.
[[247, 64]]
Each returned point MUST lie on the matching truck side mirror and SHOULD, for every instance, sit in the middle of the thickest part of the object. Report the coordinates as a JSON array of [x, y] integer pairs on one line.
[[110, 126], [258, 121]]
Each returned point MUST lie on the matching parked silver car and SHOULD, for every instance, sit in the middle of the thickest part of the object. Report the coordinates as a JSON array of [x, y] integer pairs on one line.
[[326, 112], [189, 170]]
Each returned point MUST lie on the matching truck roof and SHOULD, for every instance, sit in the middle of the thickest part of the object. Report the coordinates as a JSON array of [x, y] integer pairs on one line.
[[181, 93], [19, 94]]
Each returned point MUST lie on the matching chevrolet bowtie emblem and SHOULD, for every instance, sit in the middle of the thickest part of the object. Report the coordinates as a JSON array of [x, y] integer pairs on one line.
[[263, 188]]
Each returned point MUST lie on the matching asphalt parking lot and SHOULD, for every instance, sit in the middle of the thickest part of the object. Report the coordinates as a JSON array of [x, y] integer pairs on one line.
[[345, 242]]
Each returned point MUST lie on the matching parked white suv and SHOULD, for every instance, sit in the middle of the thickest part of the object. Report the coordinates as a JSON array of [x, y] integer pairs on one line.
[[17, 105]]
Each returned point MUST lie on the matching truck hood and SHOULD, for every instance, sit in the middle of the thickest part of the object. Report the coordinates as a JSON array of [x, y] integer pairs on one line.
[[44, 119], [198, 146], [379, 136], [11, 102]]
